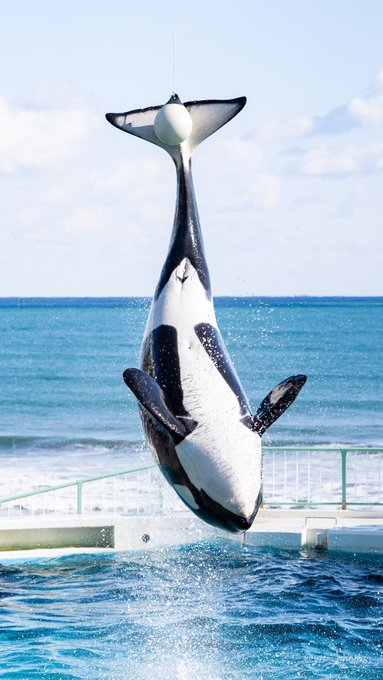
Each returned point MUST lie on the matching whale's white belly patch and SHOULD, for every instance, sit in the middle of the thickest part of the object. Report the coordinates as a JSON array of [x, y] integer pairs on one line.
[[221, 456]]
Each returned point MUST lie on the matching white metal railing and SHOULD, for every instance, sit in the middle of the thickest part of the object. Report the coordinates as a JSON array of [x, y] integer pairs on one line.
[[129, 492], [293, 477], [323, 476]]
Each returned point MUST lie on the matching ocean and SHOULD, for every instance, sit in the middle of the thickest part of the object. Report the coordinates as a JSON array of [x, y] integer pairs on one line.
[[66, 413]]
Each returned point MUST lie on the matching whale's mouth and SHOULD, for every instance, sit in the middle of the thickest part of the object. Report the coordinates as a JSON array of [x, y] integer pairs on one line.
[[184, 270]]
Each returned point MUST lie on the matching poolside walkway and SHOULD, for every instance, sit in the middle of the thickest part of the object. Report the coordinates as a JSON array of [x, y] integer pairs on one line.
[[350, 531]]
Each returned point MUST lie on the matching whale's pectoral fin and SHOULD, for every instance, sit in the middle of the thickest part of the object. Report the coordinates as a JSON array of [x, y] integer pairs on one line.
[[277, 401], [153, 399]]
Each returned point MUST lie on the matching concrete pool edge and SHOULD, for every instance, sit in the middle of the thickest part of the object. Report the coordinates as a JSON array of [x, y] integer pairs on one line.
[[349, 531]]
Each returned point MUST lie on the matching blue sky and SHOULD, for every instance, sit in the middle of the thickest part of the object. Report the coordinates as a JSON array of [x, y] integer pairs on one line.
[[290, 192]]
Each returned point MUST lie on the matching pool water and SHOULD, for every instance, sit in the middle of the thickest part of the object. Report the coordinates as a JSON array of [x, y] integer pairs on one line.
[[211, 611]]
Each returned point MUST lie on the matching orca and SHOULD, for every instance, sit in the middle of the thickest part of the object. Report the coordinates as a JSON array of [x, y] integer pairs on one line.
[[195, 414]]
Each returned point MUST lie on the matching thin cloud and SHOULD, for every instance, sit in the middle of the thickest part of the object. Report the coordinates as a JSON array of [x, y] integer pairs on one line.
[[134, 171], [236, 151], [39, 138], [266, 191], [359, 111], [348, 160], [263, 192], [368, 110], [298, 126], [341, 119], [338, 121]]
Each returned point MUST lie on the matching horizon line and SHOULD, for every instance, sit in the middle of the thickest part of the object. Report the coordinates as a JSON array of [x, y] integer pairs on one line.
[[146, 297]]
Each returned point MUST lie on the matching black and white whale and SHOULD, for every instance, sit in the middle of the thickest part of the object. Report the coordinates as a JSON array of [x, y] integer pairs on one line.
[[195, 414]]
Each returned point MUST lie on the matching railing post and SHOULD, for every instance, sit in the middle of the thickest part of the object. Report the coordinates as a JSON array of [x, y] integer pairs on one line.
[[79, 498], [344, 478]]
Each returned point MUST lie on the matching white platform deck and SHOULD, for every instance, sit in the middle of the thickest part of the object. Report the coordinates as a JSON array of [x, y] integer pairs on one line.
[[349, 531]]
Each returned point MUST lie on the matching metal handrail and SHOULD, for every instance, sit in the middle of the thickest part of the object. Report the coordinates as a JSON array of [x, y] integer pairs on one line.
[[79, 484], [344, 479]]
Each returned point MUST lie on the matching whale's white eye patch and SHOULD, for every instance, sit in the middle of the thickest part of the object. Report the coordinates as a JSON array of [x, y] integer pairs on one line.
[[173, 124]]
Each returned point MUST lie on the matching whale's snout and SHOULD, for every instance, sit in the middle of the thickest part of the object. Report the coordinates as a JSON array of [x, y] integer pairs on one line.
[[245, 523]]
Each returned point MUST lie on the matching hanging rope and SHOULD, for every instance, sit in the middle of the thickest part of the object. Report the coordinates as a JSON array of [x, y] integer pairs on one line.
[[175, 44]]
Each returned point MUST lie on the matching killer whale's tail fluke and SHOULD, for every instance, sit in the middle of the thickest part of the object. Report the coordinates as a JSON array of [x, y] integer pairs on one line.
[[207, 116], [277, 401]]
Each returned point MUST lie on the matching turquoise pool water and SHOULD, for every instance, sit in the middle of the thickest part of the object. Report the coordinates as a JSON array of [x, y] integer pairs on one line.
[[211, 611]]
